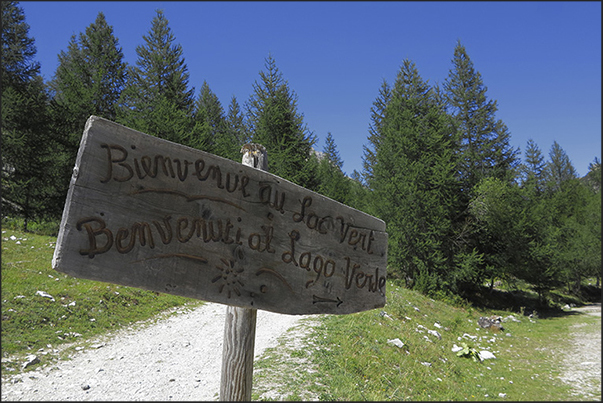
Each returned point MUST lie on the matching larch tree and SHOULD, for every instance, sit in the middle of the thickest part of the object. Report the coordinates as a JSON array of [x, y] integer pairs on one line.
[[89, 80], [484, 141], [593, 177], [559, 168], [91, 75], [236, 126], [275, 123], [533, 168], [157, 99], [332, 181], [413, 182], [211, 132], [377, 115], [483, 151], [29, 179]]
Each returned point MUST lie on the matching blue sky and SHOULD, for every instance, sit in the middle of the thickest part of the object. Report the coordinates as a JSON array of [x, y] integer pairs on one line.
[[541, 61]]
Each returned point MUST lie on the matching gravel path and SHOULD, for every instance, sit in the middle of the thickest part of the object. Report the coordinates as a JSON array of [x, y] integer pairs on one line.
[[177, 358], [582, 360]]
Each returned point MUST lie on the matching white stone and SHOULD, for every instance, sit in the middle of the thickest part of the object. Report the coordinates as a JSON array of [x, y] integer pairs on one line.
[[30, 360], [396, 342], [486, 355], [44, 294]]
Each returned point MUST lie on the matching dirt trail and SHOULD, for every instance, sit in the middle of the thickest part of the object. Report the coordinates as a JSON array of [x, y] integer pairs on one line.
[[582, 360], [178, 358]]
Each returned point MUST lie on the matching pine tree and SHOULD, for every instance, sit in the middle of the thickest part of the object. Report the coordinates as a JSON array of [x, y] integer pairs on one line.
[[500, 224], [276, 124], [534, 167], [18, 49], [157, 99], [484, 142], [212, 132], [332, 180], [88, 81], [593, 177], [413, 181], [559, 168], [91, 75], [236, 126], [209, 120], [28, 174], [377, 115]]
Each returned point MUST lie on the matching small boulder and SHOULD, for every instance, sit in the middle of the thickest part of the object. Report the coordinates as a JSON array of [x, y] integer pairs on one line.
[[31, 360], [396, 342], [486, 355], [493, 322], [44, 294]]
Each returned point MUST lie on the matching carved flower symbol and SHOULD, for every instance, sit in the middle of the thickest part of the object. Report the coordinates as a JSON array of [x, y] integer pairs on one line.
[[229, 277]]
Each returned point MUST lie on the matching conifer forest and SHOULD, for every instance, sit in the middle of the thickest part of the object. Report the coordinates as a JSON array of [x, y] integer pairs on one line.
[[463, 208]]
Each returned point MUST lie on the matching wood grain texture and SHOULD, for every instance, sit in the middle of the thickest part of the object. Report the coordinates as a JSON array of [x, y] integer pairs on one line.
[[239, 326], [148, 213], [237, 354]]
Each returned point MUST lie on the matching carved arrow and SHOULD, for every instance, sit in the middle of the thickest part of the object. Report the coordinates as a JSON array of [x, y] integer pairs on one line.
[[316, 299]]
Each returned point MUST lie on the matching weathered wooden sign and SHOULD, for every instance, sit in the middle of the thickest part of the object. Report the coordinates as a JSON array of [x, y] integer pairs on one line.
[[148, 213]]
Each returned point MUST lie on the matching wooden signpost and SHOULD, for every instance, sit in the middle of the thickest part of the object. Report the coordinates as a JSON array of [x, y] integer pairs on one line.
[[148, 213]]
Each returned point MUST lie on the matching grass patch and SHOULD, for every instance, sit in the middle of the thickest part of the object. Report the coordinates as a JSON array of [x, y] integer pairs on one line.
[[349, 357], [81, 308], [40, 227]]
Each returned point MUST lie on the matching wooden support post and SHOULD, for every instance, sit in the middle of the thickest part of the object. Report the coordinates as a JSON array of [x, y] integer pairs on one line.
[[239, 326], [237, 354]]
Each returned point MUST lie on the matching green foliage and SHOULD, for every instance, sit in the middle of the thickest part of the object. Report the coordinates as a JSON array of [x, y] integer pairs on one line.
[[39, 227], [574, 232], [533, 170], [413, 181], [29, 163], [497, 211], [469, 352], [88, 81], [212, 132], [332, 180], [276, 124], [156, 99], [593, 177], [483, 151], [18, 49], [369, 158], [236, 126], [483, 140], [90, 77], [438, 167], [559, 168]]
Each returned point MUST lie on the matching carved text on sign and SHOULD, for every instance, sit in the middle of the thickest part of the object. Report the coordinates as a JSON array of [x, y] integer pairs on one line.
[[148, 213]]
